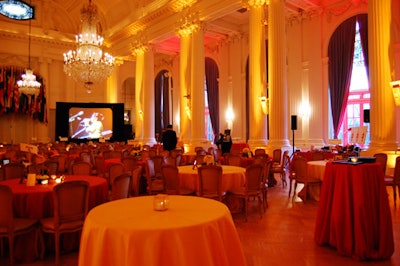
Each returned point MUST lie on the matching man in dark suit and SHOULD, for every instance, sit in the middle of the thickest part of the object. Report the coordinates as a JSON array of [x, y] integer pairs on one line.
[[169, 139]]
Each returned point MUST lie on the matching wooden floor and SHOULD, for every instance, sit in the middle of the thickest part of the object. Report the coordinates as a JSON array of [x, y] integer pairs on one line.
[[284, 236]]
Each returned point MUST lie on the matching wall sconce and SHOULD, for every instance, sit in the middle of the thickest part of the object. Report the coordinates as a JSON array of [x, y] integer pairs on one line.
[[140, 114], [396, 91], [305, 110], [229, 115], [264, 101]]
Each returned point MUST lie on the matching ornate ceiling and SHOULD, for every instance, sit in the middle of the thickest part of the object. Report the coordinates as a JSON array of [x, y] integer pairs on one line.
[[123, 23]]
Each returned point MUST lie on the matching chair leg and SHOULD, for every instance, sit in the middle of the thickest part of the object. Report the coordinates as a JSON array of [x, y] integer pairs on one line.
[[290, 186], [11, 249], [57, 251], [260, 204], [394, 195]]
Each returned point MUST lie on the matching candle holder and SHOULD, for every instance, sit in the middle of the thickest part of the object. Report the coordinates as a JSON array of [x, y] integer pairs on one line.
[[161, 202]]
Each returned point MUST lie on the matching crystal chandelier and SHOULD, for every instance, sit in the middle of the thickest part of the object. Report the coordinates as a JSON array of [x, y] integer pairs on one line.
[[88, 64], [28, 85]]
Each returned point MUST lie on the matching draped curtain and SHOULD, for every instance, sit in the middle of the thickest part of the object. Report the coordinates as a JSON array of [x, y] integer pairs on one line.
[[340, 53], [13, 102], [161, 101], [212, 75], [363, 29]]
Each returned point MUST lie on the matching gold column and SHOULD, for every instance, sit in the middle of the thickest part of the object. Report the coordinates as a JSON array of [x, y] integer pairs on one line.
[[257, 74], [383, 112], [185, 97], [144, 102], [197, 86], [277, 83]]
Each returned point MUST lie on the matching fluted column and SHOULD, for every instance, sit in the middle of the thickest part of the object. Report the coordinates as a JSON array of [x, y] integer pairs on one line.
[[144, 102], [197, 86], [185, 101], [277, 82], [257, 74], [383, 112]]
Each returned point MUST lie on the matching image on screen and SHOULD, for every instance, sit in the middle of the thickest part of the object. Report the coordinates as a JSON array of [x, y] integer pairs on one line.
[[90, 123]]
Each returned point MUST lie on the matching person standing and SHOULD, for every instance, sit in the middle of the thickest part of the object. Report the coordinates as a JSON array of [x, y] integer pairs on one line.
[[169, 139]]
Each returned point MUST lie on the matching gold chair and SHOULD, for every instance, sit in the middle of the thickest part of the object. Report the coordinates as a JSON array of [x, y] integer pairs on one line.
[[317, 156], [276, 157], [299, 175], [264, 183], [172, 184], [382, 159], [155, 183], [210, 182], [136, 178], [13, 171], [252, 188], [114, 170], [280, 169], [121, 186], [394, 180], [233, 159], [259, 151], [70, 200], [10, 227], [81, 168]]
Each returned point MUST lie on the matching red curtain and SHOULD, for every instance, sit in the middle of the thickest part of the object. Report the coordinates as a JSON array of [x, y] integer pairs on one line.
[[340, 52], [212, 76]]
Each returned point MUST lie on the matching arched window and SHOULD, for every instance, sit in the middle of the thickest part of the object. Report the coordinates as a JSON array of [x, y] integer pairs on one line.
[[348, 57]]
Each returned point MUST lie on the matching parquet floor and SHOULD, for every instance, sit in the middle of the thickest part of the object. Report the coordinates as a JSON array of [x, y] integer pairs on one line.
[[283, 236]]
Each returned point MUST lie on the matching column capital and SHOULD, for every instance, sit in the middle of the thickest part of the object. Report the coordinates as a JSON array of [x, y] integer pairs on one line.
[[254, 3], [188, 23]]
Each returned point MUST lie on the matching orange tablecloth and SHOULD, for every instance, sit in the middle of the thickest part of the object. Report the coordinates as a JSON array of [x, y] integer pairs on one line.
[[354, 213], [194, 231], [232, 177], [315, 169]]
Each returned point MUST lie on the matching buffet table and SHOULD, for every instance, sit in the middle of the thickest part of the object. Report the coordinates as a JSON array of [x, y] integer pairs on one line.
[[193, 231], [354, 214]]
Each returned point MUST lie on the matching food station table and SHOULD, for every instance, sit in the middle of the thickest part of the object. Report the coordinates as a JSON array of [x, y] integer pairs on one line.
[[193, 231], [354, 214]]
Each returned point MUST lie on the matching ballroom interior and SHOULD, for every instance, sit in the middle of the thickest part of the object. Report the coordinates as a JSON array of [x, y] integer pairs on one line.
[[271, 57]]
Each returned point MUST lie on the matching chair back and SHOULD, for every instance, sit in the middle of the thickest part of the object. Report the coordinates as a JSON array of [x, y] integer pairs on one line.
[[317, 156], [70, 202], [260, 159], [51, 167], [170, 175], [201, 152], [13, 171], [86, 156], [116, 154], [259, 151], [121, 186], [396, 176], [115, 170], [81, 168], [176, 152], [276, 156], [158, 162], [99, 165], [62, 163], [6, 209], [199, 159], [136, 177], [382, 159], [299, 167], [129, 163], [266, 173], [233, 159], [210, 181], [254, 174]]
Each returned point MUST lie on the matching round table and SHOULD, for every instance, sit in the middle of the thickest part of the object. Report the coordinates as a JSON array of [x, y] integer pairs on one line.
[[316, 169], [193, 231], [232, 177], [37, 202]]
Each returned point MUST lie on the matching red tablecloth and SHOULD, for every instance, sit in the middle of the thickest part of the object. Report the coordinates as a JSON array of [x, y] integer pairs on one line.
[[354, 213], [37, 202], [308, 155]]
